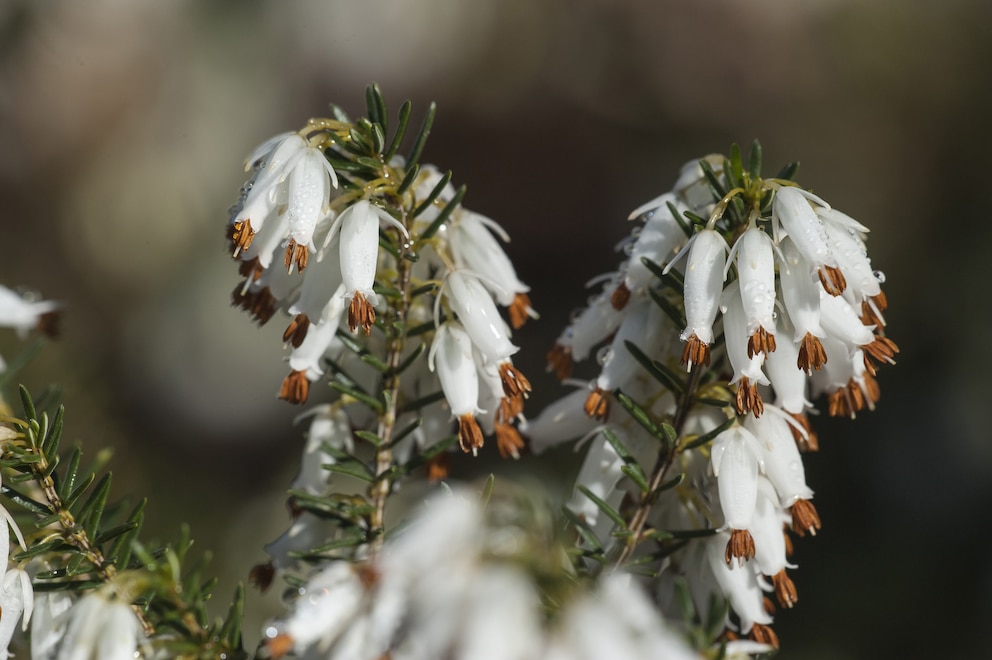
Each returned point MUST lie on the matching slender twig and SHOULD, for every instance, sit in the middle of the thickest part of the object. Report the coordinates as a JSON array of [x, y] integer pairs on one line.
[[640, 517]]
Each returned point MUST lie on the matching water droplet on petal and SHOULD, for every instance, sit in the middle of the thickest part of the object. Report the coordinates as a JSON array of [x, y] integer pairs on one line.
[[604, 355], [880, 276]]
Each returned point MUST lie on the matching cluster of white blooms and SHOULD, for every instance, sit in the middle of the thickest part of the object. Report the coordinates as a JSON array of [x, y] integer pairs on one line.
[[767, 297], [462, 581], [342, 239], [25, 313]]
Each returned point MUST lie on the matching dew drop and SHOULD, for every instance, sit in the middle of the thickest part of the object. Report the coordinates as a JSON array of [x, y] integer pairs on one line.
[[880, 276], [271, 632], [604, 355]]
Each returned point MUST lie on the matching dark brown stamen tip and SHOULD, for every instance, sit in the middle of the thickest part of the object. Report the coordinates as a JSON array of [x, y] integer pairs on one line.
[[469, 434], [832, 280], [785, 589], [296, 254], [748, 399], [251, 269], [519, 310], [296, 332], [760, 342], [241, 235], [508, 440], [597, 404], [361, 313], [260, 304], [740, 546], [808, 441], [48, 323], [560, 361], [811, 354], [515, 384], [620, 297], [804, 518], [695, 352], [295, 387], [438, 467], [261, 575], [764, 635]]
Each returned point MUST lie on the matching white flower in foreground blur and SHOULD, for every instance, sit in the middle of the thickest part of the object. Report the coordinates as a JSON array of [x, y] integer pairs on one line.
[[16, 598], [100, 626], [463, 581], [24, 314]]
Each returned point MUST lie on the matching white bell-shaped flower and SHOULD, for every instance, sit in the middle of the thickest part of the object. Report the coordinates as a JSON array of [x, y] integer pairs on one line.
[[101, 628], [747, 367], [736, 459], [801, 296], [756, 275], [16, 599], [842, 322], [451, 357], [703, 285], [852, 256], [478, 314], [791, 208], [783, 465], [739, 584], [787, 379]]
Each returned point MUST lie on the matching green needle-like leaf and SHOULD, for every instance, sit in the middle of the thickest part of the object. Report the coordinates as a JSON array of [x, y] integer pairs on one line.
[[445, 213], [404, 118], [422, 135]]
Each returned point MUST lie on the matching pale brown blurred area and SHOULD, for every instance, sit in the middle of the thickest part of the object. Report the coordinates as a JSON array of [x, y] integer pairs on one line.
[[123, 126]]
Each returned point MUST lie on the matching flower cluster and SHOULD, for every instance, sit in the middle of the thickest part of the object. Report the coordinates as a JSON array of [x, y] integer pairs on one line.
[[388, 246], [467, 582], [764, 294]]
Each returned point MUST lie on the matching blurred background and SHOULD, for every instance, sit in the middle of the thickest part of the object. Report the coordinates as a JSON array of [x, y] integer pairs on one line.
[[123, 129]]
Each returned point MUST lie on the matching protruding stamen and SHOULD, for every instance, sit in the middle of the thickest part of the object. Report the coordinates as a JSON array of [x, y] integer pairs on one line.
[[48, 323], [804, 518], [811, 354], [740, 546], [881, 350], [785, 589], [469, 434], [438, 467], [515, 384], [296, 254], [361, 313], [261, 304], [789, 548], [251, 269], [764, 635], [296, 332], [832, 280], [807, 441], [295, 387], [760, 342], [509, 407], [695, 352], [279, 646], [748, 398], [519, 310], [560, 361], [597, 404], [508, 440], [620, 297], [241, 235]]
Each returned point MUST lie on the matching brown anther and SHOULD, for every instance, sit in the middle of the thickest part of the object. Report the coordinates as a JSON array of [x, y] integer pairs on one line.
[[438, 467], [509, 407], [871, 389], [508, 440], [620, 297], [785, 589], [811, 354], [882, 349], [251, 269], [764, 635], [519, 310], [297, 255], [760, 342], [832, 280], [838, 404], [295, 387], [560, 361], [367, 574], [48, 323], [261, 575], [768, 605], [469, 434], [296, 332], [748, 398], [789, 548], [740, 546], [279, 646], [241, 235], [597, 404], [871, 315], [515, 384], [804, 518], [260, 304], [695, 352], [881, 302], [808, 441], [361, 313]]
